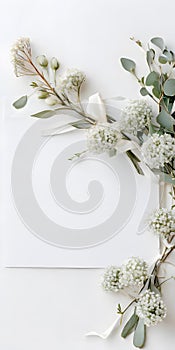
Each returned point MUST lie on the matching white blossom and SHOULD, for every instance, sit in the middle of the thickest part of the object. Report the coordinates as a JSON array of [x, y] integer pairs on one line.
[[111, 279], [72, 80], [151, 308], [102, 137], [158, 150], [21, 55], [133, 272], [135, 116], [163, 222]]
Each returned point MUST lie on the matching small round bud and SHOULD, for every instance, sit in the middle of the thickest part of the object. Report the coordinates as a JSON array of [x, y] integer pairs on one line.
[[54, 63], [43, 94], [42, 61], [51, 101]]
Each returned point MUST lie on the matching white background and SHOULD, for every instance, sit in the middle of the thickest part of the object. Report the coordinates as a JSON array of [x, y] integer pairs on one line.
[[51, 309]]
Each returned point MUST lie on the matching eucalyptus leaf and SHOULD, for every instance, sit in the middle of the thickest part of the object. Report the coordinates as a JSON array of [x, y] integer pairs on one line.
[[21, 102], [169, 87], [144, 91], [163, 59], [128, 64], [166, 120], [169, 55], [150, 54], [140, 334], [151, 78], [156, 92], [81, 124], [44, 114], [159, 42], [130, 325]]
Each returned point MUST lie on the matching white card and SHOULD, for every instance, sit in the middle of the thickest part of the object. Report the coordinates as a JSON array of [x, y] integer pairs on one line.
[[61, 213]]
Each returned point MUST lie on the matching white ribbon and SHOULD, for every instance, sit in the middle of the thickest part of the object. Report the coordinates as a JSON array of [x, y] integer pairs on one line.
[[108, 331]]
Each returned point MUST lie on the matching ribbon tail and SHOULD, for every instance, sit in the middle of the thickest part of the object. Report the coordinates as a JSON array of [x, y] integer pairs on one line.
[[107, 332]]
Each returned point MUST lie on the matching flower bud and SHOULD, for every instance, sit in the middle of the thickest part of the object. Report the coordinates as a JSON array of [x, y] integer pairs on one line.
[[42, 61], [43, 94], [51, 101], [54, 63]]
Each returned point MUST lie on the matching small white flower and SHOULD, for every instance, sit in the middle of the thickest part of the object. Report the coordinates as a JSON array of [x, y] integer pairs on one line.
[[163, 222], [72, 80], [111, 279], [21, 54], [133, 272], [135, 116], [102, 137], [151, 308], [158, 150]]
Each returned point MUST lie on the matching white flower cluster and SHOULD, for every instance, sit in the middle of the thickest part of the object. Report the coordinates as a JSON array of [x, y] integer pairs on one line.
[[111, 279], [72, 80], [102, 137], [151, 308], [21, 52], [158, 150], [135, 116], [163, 222], [132, 273]]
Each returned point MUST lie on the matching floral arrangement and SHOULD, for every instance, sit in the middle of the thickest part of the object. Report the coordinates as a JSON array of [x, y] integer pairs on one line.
[[145, 136]]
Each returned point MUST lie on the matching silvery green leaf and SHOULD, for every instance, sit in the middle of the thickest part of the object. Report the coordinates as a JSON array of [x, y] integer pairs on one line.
[[165, 120], [44, 114], [140, 334], [21, 102], [128, 64], [130, 325], [143, 91], [169, 55], [150, 54], [157, 41], [163, 59], [151, 78], [81, 124], [169, 87]]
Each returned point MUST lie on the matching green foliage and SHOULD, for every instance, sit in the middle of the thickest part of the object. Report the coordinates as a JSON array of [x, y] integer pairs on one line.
[[140, 334], [44, 114], [21, 102], [169, 87], [128, 65], [159, 42], [166, 121], [130, 325], [152, 78]]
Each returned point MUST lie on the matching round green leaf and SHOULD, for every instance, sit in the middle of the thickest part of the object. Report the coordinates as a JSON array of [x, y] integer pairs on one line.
[[21, 102], [128, 64], [163, 59], [165, 120], [151, 78], [169, 87], [143, 91], [158, 42]]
